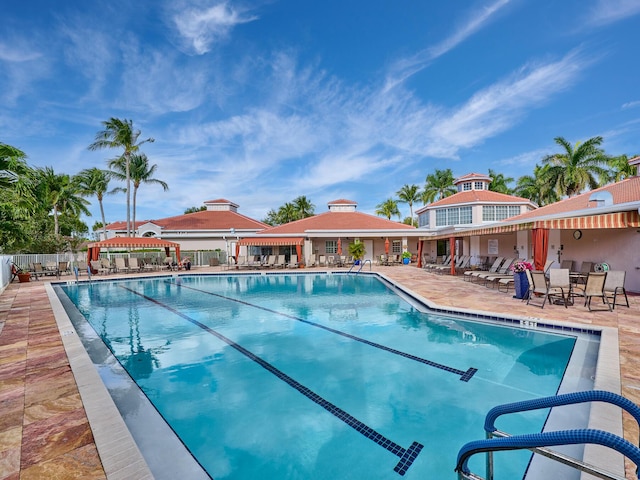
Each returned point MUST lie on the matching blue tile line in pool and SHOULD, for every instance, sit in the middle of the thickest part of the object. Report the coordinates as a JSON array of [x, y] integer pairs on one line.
[[465, 376], [407, 455]]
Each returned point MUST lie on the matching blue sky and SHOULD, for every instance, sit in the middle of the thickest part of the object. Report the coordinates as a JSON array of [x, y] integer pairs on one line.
[[262, 101]]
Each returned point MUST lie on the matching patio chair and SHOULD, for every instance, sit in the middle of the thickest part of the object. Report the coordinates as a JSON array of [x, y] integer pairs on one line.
[[312, 260], [614, 286], [594, 288], [63, 267], [38, 270], [503, 272], [472, 274], [106, 266], [134, 264], [559, 286], [280, 262], [293, 261], [322, 260], [538, 288], [581, 275], [567, 264]]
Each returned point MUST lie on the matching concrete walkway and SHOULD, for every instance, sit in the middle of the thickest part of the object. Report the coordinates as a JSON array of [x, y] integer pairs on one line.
[[44, 431]]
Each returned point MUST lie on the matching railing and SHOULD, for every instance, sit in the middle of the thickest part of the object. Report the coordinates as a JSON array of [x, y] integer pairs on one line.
[[537, 441], [362, 264]]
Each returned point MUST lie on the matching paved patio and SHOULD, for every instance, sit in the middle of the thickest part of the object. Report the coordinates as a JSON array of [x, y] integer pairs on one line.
[[44, 431]]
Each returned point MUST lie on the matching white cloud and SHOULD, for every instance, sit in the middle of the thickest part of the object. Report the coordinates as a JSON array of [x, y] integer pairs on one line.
[[476, 20], [605, 12], [633, 104], [201, 28], [18, 53]]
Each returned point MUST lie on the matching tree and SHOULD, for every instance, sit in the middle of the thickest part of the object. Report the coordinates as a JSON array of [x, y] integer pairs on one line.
[[537, 187], [95, 182], [388, 208], [119, 133], [304, 207], [575, 169], [438, 185], [195, 209], [409, 194], [140, 172], [61, 195], [620, 168], [287, 213], [499, 183]]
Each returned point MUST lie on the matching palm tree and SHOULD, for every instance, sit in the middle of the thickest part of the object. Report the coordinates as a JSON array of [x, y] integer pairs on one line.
[[620, 168], [140, 172], [287, 213], [388, 208], [95, 182], [59, 193], [576, 168], [499, 183], [537, 187], [409, 194], [304, 206], [119, 133], [439, 185]]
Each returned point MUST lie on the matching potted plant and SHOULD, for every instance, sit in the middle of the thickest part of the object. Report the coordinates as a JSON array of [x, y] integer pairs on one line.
[[520, 281], [357, 251], [406, 257], [23, 275]]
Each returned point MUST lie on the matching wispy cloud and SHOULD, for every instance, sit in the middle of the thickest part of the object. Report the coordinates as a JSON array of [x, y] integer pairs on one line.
[[21, 65], [475, 21], [200, 28], [17, 52], [605, 12], [634, 104]]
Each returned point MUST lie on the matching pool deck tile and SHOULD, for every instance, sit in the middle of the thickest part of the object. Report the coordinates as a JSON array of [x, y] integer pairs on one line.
[[44, 426]]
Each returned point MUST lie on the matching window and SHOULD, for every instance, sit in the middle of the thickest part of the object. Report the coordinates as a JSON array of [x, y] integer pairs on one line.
[[331, 246], [466, 186], [423, 219], [493, 213], [453, 216], [396, 246], [479, 185]]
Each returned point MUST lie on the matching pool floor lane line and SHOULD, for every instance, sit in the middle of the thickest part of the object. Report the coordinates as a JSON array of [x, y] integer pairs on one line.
[[465, 376], [407, 455]]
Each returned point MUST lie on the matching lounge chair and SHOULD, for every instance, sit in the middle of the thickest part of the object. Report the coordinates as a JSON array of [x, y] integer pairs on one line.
[[434, 266], [104, 262], [280, 262], [121, 265], [271, 261], [134, 265], [502, 272], [322, 260], [293, 261], [312, 260], [472, 274], [614, 286]]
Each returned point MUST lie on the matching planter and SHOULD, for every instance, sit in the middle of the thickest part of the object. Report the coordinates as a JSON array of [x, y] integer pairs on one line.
[[24, 277], [406, 261], [521, 284]]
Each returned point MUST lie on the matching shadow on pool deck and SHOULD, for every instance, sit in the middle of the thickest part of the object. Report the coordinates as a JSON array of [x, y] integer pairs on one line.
[[44, 431]]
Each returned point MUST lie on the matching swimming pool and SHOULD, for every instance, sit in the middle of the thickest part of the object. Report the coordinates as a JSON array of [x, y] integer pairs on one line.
[[319, 376]]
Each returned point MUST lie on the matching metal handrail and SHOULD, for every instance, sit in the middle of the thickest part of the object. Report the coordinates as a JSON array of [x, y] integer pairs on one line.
[[362, 264], [579, 436]]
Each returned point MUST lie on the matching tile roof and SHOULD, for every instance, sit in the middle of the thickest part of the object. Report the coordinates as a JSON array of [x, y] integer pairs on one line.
[[203, 220], [622, 192], [477, 196], [337, 221], [342, 201], [470, 176]]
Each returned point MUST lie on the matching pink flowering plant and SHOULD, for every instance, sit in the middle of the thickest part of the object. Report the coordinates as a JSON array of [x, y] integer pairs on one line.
[[521, 266]]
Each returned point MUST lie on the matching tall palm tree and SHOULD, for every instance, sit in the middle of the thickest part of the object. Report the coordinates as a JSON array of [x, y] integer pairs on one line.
[[140, 172], [61, 195], [499, 183], [575, 169], [119, 133], [388, 208], [304, 206], [439, 185], [95, 182], [537, 187], [409, 194], [287, 213], [17, 177]]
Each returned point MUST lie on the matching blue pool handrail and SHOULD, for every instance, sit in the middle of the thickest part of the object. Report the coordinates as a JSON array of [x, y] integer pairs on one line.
[[547, 439], [558, 400]]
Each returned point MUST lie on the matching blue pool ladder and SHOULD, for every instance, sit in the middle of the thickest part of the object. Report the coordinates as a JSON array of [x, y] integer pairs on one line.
[[537, 441], [362, 264]]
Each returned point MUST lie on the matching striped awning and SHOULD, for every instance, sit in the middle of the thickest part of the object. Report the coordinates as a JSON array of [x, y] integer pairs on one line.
[[609, 220], [134, 242], [270, 242], [493, 230]]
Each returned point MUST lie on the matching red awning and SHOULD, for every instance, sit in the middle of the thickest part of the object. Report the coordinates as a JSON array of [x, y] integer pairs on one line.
[[132, 243], [609, 220], [268, 242]]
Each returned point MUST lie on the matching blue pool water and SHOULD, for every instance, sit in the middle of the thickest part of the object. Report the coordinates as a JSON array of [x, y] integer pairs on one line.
[[320, 376]]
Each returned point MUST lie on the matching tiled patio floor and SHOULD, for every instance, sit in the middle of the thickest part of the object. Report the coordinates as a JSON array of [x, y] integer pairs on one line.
[[44, 431]]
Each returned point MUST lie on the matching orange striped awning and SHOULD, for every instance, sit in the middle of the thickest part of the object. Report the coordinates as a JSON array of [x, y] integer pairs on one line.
[[493, 230], [269, 242], [591, 222], [134, 242]]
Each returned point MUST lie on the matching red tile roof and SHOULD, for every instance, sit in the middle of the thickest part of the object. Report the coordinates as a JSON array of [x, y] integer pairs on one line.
[[204, 220], [478, 196], [337, 221], [622, 192], [221, 200], [471, 176], [342, 201]]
